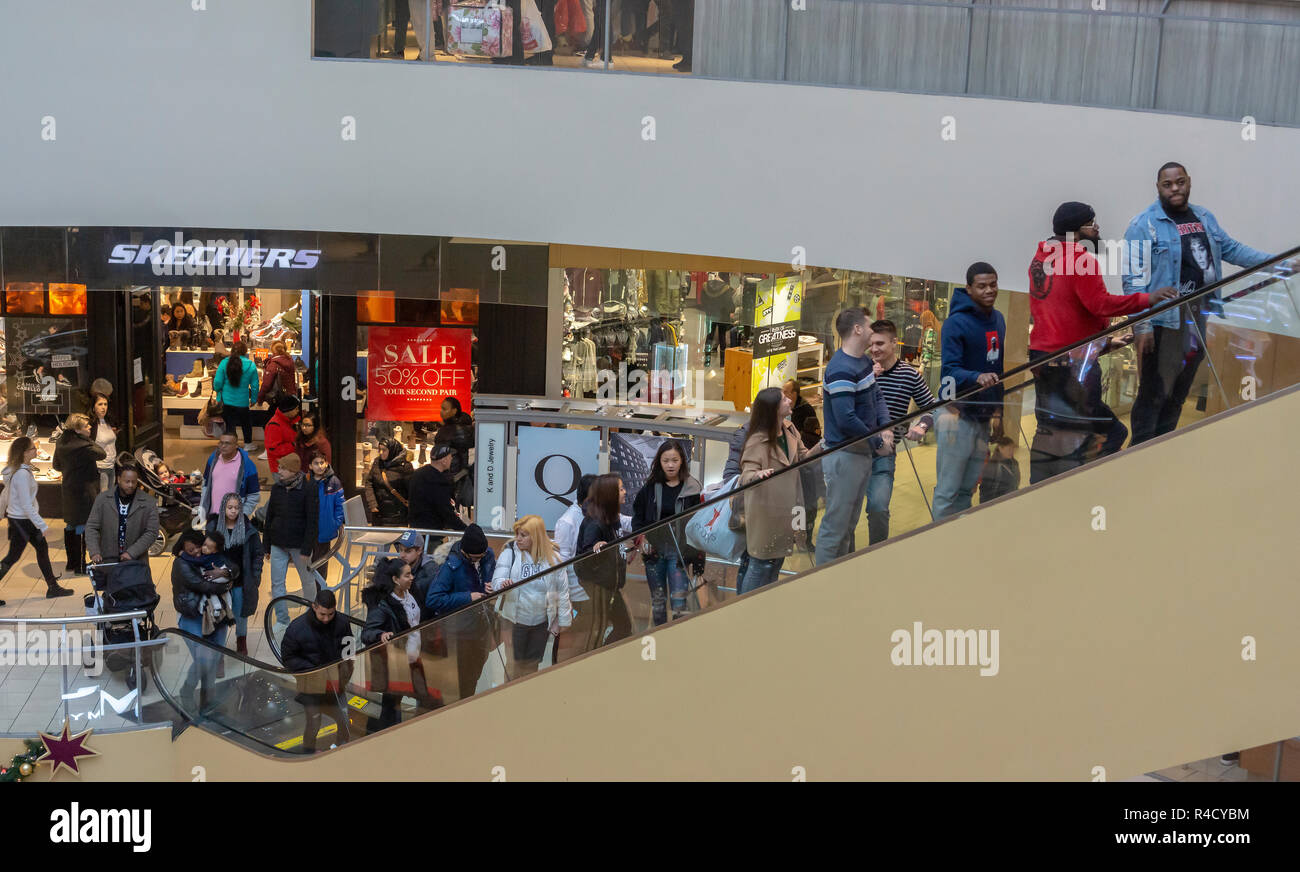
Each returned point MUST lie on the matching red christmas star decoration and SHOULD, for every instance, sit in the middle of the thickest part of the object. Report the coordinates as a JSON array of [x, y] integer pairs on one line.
[[63, 751]]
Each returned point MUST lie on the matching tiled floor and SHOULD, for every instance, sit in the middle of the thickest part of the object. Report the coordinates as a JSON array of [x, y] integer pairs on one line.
[[1210, 769]]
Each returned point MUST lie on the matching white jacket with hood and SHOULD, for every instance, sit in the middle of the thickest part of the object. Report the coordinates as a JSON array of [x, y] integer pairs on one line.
[[529, 603], [19, 498]]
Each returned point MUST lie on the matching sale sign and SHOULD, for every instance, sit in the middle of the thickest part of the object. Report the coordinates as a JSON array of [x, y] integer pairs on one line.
[[411, 370]]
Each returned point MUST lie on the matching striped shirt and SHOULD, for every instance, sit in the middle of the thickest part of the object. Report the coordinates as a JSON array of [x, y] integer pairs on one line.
[[901, 384], [852, 404]]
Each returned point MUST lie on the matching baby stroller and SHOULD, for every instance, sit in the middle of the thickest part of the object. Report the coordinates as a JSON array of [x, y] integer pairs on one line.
[[176, 502], [120, 588]]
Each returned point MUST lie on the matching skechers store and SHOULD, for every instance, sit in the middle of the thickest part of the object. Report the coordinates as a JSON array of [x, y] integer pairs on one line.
[[149, 312]]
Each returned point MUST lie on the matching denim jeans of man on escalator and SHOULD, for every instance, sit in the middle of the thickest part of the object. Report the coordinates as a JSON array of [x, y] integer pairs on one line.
[[665, 575], [847, 474], [760, 572], [280, 560], [880, 490], [963, 444]]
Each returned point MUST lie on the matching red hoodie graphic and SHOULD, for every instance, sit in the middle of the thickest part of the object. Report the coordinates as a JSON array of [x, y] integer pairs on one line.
[[1067, 297]]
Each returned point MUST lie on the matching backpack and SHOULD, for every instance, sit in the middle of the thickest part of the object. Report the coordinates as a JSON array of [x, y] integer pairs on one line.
[[464, 487]]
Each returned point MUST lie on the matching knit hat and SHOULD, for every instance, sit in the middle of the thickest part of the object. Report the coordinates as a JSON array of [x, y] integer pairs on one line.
[[290, 463], [1070, 217], [473, 542], [102, 386], [289, 404]]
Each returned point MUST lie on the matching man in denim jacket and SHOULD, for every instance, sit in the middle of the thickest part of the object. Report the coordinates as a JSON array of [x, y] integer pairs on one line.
[[1187, 248]]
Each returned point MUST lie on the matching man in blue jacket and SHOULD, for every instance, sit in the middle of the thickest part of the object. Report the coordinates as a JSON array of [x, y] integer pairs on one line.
[[1174, 244], [243, 477], [973, 337], [852, 406], [465, 578]]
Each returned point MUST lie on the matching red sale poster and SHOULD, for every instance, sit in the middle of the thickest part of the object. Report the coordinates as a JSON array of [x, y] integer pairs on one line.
[[411, 370]]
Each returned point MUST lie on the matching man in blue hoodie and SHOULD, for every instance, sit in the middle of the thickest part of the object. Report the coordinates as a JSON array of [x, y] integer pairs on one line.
[[463, 579], [1187, 249], [852, 406], [973, 337], [233, 471]]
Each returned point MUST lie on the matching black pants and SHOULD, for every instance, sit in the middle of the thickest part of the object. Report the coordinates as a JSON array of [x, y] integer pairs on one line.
[[1166, 374], [545, 58], [23, 532], [74, 544], [529, 646], [598, 34], [401, 18], [1070, 416], [684, 24], [241, 417]]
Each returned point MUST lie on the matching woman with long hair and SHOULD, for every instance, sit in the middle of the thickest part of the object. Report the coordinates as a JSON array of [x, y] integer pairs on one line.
[[76, 457], [388, 485], [538, 610], [390, 611], [236, 380], [772, 445], [244, 551], [26, 526], [278, 377], [311, 439], [601, 565], [670, 490], [103, 431]]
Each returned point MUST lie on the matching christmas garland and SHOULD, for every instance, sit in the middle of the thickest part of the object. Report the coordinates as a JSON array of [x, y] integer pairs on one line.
[[23, 765]]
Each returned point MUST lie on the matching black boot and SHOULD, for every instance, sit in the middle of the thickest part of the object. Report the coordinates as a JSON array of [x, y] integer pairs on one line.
[[54, 590]]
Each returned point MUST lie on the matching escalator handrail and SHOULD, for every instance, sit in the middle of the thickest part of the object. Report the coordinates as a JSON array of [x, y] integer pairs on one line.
[[268, 620], [1116, 329]]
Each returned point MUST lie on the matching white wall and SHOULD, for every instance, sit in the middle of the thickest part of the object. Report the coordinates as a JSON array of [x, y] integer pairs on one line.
[[169, 116]]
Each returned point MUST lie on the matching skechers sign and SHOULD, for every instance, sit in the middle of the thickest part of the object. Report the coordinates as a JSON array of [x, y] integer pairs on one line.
[[244, 259]]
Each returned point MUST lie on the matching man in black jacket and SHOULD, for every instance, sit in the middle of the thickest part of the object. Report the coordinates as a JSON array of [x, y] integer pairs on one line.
[[291, 525], [316, 639], [433, 493]]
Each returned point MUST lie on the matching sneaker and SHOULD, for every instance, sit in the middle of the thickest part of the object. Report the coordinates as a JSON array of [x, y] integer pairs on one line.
[[262, 456], [1230, 759]]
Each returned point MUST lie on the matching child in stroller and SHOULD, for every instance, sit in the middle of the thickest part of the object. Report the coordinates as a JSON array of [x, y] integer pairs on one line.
[[120, 588], [177, 496]]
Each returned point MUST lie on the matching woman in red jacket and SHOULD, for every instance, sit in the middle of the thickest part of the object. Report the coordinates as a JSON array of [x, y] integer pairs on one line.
[[278, 376]]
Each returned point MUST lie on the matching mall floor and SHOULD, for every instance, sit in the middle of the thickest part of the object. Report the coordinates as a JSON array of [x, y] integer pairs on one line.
[[564, 56]]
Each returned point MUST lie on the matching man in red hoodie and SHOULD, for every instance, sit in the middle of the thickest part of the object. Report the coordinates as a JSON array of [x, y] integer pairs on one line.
[[282, 430], [1069, 302]]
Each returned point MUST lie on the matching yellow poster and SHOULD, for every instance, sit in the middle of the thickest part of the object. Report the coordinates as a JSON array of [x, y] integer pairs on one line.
[[777, 309]]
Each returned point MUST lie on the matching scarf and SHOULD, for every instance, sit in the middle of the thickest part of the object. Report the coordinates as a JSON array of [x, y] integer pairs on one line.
[[290, 480], [396, 453], [239, 535]]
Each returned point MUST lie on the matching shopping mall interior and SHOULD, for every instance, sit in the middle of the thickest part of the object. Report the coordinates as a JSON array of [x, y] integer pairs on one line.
[[737, 221]]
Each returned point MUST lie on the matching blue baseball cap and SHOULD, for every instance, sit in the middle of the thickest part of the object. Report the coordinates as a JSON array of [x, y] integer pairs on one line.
[[410, 539]]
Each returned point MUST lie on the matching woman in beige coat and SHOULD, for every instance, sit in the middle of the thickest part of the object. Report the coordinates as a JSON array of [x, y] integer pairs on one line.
[[773, 444]]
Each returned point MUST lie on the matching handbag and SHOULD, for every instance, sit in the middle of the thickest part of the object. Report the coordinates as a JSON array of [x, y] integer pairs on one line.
[[533, 29], [711, 528], [480, 30]]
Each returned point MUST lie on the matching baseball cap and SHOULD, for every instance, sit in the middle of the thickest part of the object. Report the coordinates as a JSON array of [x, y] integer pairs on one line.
[[410, 539]]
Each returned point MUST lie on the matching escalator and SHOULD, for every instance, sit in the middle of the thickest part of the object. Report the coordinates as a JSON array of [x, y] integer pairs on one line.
[[1055, 417]]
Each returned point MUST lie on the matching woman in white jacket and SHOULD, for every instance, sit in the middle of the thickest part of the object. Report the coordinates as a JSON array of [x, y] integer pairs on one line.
[[26, 526], [539, 609]]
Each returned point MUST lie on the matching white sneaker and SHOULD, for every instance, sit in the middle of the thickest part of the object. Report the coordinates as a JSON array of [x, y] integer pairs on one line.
[[262, 456]]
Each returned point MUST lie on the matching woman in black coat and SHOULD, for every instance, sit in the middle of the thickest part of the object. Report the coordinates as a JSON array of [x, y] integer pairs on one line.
[[391, 610], [243, 550], [456, 431], [388, 485], [76, 456], [603, 571]]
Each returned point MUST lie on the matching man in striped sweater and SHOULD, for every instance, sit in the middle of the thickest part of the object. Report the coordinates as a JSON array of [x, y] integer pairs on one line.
[[852, 406], [900, 384]]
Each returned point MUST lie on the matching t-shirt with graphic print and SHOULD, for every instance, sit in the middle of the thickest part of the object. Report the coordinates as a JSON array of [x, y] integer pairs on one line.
[[1197, 269]]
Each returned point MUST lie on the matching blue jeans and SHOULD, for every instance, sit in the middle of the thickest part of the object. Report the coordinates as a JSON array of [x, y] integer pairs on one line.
[[963, 444], [280, 558], [664, 574], [203, 660], [760, 572], [846, 488], [880, 488], [237, 606]]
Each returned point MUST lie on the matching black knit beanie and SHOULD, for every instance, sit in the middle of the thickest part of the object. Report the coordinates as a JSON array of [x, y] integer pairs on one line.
[[1070, 217]]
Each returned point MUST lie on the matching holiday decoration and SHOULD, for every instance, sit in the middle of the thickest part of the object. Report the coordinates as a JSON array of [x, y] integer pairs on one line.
[[239, 320], [22, 765], [62, 751]]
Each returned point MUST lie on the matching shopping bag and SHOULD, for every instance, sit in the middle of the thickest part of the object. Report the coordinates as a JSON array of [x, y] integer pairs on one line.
[[533, 28], [569, 18], [479, 30], [709, 529]]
